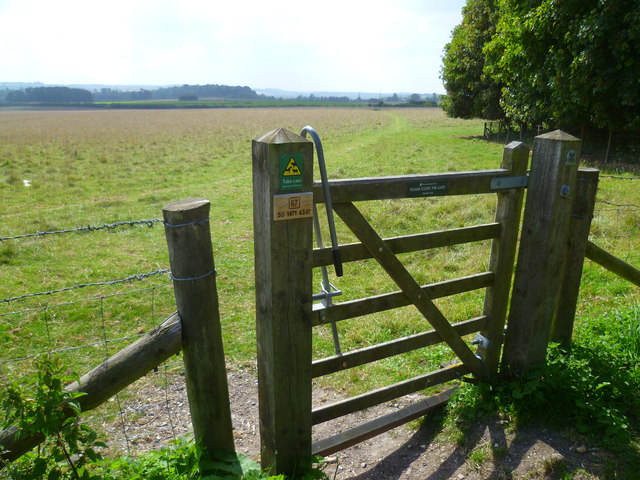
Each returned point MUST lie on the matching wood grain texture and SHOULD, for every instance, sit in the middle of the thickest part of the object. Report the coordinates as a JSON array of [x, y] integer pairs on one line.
[[397, 346], [613, 263], [384, 394], [387, 301], [370, 429], [194, 283], [380, 188], [543, 248], [351, 252], [394, 268], [579, 228], [515, 159], [283, 253]]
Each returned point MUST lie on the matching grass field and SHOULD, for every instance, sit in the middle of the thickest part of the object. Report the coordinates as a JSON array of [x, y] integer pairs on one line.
[[100, 167]]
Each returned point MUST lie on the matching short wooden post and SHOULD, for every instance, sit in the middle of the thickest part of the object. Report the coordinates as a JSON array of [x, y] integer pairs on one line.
[[583, 206], [503, 252], [194, 282], [543, 247], [282, 207]]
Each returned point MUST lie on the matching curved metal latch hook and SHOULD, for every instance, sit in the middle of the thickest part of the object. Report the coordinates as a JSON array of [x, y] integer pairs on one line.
[[328, 290], [335, 249]]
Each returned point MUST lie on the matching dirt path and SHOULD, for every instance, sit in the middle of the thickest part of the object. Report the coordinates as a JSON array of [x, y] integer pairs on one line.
[[491, 450]]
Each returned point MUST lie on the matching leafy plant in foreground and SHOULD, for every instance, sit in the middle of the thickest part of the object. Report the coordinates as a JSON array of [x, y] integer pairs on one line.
[[43, 409], [592, 388], [183, 459], [71, 449]]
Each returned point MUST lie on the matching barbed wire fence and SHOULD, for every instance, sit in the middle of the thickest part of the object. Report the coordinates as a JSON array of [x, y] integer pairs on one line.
[[148, 413]]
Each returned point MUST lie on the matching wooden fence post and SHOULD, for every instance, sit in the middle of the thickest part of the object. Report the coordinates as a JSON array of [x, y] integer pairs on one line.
[[503, 252], [583, 206], [543, 247], [282, 208], [194, 282]]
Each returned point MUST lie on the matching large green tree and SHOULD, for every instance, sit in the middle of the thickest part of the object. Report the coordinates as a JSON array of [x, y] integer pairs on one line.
[[470, 92], [567, 63]]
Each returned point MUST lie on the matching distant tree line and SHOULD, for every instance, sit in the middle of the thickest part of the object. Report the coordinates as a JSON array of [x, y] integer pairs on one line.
[[205, 91], [568, 64], [178, 92], [188, 93], [49, 95], [79, 95], [114, 95], [415, 99], [313, 98]]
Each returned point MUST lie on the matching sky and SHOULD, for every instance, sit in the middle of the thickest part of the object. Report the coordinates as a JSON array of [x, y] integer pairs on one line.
[[329, 45]]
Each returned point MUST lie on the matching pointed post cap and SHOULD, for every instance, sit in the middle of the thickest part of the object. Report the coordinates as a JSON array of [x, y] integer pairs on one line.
[[281, 135]]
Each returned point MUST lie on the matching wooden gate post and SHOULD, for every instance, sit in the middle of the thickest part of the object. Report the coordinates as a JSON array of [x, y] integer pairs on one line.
[[282, 209], [543, 248], [503, 251], [583, 206], [194, 282]]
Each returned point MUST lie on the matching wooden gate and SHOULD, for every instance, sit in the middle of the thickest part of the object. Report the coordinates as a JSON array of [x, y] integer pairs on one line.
[[284, 193]]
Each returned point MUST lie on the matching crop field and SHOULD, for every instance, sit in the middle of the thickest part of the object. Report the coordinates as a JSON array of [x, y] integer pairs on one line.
[[63, 170]]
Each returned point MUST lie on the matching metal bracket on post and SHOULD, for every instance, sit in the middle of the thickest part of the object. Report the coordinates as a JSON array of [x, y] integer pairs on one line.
[[502, 183], [481, 340], [326, 296]]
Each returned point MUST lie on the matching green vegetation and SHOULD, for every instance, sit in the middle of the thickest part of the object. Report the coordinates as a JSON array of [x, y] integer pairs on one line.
[[563, 64], [49, 95], [92, 167], [589, 391], [72, 449], [471, 92]]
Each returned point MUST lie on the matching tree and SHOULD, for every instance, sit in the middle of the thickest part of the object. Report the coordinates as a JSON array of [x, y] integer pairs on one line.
[[16, 96], [564, 63], [470, 91], [50, 95], [569, 63]]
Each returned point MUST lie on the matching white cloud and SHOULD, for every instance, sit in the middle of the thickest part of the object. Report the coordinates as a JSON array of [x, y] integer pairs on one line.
[[372, 45]]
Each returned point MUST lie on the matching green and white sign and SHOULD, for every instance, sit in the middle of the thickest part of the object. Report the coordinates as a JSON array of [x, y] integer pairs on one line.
[[426, 189], [291, 170]]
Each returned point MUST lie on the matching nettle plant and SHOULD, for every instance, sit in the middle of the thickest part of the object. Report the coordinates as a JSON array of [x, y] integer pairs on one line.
[[44, 409]]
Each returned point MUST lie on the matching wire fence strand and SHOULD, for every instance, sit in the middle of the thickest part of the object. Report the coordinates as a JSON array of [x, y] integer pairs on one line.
[[88, 228], [616, 177], [618, 205], [139, 276], [64, 304]]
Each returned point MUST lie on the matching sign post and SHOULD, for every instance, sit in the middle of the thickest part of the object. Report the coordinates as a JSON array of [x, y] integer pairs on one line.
[[283, 233]]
